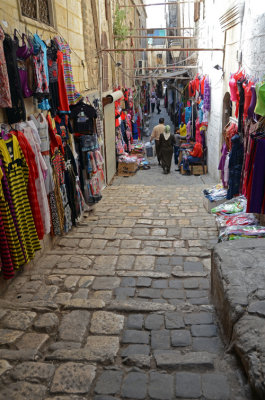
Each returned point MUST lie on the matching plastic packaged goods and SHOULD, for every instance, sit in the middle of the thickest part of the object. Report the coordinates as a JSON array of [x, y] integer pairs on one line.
[[234, 206], [216, 193], [239, 219], [238, 232]]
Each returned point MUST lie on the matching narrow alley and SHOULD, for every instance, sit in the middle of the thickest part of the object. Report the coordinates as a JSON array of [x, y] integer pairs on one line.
[[132, 200], [121, 307]]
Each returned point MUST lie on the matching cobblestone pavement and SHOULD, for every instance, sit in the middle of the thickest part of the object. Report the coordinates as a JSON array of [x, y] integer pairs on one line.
[[120, 308]]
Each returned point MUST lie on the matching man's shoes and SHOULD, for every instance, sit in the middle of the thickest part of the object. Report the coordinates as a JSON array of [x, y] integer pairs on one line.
[[178, 169]]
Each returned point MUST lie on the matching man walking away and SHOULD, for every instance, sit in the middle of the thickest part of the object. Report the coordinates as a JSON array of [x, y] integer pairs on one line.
[[158, 106], [153, 103], [158, 129]]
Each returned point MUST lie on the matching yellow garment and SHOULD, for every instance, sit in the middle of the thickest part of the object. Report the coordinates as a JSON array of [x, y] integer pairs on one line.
[[23, 246], [182, 130]]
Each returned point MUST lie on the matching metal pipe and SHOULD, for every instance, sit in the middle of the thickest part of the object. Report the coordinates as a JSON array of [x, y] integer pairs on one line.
[[164, 49], [162, 4], [163, 29], [165, 67], [157, 37], [163, 77]]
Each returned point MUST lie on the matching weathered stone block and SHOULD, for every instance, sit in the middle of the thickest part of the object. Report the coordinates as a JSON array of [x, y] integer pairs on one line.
[[73, 378], [107, 323]]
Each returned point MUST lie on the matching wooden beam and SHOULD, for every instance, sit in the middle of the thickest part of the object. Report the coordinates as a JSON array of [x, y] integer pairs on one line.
[[157, 37], [162, 4], [163, 49]]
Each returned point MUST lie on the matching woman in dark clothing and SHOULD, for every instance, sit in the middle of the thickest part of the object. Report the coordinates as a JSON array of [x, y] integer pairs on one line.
[[166, 143]]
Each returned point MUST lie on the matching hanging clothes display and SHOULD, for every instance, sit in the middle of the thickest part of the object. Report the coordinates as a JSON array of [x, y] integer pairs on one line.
[[44, 169], [16, 112]]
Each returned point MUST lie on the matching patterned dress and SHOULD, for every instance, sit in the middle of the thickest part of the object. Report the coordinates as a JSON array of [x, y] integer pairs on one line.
[[5, 96], [58, 164], [17, 172], [73, 96]]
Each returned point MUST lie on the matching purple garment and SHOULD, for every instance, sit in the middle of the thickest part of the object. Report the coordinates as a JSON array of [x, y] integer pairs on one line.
[[253, 102], [9, 200], [23, 74], [258, 181], [207, 95], [23, 52], [221, 166]]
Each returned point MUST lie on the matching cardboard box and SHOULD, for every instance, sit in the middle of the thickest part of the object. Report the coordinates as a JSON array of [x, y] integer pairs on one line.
[[208, 205], [198, 169], [127, 169]]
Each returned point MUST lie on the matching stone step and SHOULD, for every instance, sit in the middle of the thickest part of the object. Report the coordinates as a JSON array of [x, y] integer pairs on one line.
[[142, 306], [189, 361]]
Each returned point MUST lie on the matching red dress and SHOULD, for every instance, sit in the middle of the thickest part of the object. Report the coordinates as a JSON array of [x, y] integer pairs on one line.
[[33, 175], [63, 99]]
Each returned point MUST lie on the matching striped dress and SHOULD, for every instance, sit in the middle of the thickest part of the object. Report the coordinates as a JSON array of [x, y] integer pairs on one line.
[[7, 264], [10, 222], [17, 172], [73, 96]]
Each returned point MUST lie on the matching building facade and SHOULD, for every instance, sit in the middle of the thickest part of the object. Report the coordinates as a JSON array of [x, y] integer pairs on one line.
[[239, 28]]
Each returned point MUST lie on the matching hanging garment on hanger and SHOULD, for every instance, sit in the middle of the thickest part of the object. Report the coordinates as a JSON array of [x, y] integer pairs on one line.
[[7, 267], [253, 102], [17, 172], [63, 98], [5, 95], [31, 187], [260, 106], [233, 88], [43, 47], [53, 78], [73, 96], [23, 54], [42, 174], [17, 112]]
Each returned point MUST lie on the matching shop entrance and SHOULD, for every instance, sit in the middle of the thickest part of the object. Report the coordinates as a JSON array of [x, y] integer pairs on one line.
[[227, 110]]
